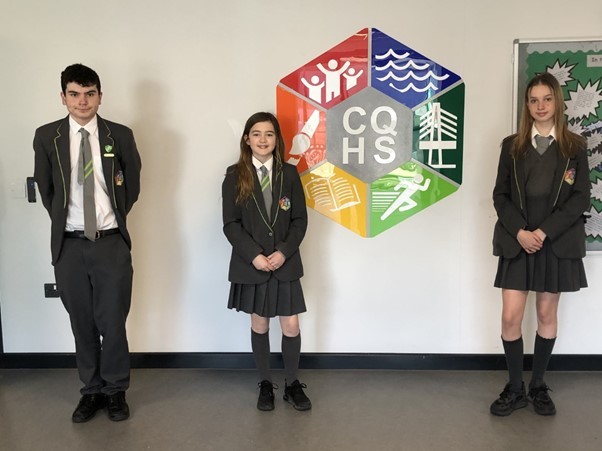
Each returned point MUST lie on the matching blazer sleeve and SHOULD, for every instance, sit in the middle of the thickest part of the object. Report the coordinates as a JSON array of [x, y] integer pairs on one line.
[[242, 242], [131, 165], [43, 172], [508, 212], [568, 212], [298, 222]]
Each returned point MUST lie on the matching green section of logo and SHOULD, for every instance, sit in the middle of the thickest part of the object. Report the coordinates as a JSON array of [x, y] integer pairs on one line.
[[404, 192], [438, 133]]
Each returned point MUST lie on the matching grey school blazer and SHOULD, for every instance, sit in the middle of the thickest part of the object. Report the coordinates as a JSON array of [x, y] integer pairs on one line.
[[564, 224], [250, 232], [121, 167]]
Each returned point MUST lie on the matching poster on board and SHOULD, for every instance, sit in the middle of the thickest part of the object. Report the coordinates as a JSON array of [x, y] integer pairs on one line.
[[577, 65]]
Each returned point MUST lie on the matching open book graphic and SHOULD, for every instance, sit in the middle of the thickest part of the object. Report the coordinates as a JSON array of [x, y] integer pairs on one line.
[[334, 193]]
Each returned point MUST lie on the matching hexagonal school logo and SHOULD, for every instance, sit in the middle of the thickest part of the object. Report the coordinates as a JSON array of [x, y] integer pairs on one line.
[[375, 129]]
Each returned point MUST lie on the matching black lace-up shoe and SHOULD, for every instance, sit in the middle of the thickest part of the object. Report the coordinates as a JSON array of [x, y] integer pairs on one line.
[[88, 406], [294, 395], [266, 395], [509, 401], [117, 406], [542, 403]]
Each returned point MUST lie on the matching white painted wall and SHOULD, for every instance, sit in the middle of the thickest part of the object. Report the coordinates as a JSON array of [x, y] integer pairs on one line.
[[185, 75]]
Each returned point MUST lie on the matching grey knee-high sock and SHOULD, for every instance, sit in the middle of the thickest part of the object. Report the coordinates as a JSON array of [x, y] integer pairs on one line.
[[541, 358], [260, 343], [291, 350], [514, 359]]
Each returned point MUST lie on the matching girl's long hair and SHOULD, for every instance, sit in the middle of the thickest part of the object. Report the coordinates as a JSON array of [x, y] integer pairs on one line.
[[568, 142], [244, 167]]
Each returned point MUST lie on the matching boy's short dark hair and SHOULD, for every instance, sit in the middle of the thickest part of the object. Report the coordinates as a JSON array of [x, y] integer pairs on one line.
[[80, 74]]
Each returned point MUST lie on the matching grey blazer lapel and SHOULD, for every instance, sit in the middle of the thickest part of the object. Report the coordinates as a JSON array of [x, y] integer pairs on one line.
[[277, 186], [63, 154], [562, 163], [108, 153], [519, 174]]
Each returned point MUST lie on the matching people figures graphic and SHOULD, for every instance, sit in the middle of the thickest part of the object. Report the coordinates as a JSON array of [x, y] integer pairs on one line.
[[333, 77], [351, 78], [314, 87], [541, 191], [265, 219]]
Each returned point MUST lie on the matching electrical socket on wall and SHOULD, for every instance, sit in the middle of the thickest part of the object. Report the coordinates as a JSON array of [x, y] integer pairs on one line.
[[50, 290]]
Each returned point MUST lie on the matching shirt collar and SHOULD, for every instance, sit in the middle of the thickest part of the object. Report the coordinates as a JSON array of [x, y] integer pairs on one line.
[[91, 126], [534, 132], [268, 164]]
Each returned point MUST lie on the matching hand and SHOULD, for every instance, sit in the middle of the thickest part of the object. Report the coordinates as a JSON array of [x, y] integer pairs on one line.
[[531, 242], [262, 263], [541, 234], [276, 260]]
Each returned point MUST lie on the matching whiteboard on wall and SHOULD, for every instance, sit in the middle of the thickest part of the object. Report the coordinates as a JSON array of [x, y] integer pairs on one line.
[[577, 65]]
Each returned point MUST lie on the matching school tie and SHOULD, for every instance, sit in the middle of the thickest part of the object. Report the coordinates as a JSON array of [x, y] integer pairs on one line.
[[543, 142], [265, 188], [85, 176]]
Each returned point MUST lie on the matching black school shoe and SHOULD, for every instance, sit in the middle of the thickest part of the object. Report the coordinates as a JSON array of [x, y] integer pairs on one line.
[[266, 395], [509, 401], [542, 403], [88, 406], [294, 395], [117, 407]]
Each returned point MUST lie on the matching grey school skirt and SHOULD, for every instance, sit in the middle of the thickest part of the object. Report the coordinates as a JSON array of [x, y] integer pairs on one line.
[[269, 299], [541, 272]]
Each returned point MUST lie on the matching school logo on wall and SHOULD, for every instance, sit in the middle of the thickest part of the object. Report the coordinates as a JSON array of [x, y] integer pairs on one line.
[[375, 129]]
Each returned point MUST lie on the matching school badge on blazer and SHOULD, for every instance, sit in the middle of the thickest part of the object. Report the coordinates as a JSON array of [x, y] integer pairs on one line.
[[119, 178], [108, 151], [285, 203], [569, 176]]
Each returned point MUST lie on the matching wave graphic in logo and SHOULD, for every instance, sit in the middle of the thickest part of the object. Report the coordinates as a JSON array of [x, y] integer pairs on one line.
[[404, 74]]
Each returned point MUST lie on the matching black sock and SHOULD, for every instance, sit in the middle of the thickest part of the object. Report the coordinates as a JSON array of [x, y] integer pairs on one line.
[[514, 359], [541, 357], [291, 350], [260, 343]]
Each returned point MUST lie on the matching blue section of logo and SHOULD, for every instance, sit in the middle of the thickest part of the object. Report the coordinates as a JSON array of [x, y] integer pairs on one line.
[[404, 74]]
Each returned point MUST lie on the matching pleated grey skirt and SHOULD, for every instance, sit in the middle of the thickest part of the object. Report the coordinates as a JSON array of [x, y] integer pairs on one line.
[[269, 299], [541, 271]]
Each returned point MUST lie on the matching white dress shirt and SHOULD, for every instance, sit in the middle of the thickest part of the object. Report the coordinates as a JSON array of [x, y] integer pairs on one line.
[[105, 217]]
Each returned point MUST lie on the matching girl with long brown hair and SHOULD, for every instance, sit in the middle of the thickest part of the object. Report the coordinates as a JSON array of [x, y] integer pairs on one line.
[[265, 219], [541, 192]]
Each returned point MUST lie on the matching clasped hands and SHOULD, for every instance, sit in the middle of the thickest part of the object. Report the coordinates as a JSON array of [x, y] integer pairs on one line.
[[531, 242], [270, 263]]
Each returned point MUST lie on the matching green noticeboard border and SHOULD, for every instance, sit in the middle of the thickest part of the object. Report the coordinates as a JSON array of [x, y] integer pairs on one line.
[[577, 64]]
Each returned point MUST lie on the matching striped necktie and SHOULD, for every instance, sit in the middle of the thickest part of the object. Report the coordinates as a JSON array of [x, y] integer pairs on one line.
[[85, 176], [265, 188]]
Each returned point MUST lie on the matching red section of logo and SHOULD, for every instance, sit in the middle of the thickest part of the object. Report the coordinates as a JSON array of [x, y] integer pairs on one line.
[[336, 74]]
